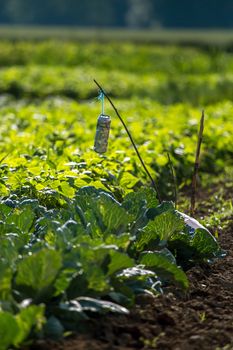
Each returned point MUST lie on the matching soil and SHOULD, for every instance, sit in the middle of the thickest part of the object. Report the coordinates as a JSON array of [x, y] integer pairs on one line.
[[202, 319]]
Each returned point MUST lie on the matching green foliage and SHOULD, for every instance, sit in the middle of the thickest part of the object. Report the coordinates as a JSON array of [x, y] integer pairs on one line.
[[8, 329], [77, 256], [45, 81], [189, 247], [15, 329], [82, 233], [58, 155], [142, 58], [167, 74], [160, 229], [37, 272], [164, 268], [29, 318]]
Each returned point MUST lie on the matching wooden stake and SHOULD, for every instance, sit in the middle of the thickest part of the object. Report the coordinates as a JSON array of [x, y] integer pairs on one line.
[[196, 165]]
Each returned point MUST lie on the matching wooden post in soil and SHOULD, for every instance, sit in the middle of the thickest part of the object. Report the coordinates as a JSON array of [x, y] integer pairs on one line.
[[196, 165]]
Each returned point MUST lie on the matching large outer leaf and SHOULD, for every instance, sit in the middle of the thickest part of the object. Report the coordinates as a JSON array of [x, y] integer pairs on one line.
[[140, 280], [9, 330], [32, 316], [5, 282], [136, 202], [205, 244], [164, 268], [118, 262], [198, 246], [121, 241], [94, 260], [22, 218], [100, 212], [86, 195], [39, 270], [161, 228], [100, 306], [53, 328], [8, 248], [71, 314], [114, 216], [4, 210], [152, 212]]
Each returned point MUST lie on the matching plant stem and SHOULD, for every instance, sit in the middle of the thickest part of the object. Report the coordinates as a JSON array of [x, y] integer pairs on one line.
[[196, 165], [131, 139]]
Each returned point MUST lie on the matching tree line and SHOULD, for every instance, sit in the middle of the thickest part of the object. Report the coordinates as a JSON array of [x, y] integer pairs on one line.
[[120, 13]]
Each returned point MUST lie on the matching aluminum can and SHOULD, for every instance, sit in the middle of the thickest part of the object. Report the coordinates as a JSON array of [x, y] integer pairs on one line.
[[102, 133]]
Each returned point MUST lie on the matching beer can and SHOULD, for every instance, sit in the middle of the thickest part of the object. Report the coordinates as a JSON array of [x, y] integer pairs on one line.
[[102, 133]]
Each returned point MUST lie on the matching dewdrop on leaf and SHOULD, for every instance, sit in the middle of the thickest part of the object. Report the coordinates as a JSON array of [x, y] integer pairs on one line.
[[102, 133]]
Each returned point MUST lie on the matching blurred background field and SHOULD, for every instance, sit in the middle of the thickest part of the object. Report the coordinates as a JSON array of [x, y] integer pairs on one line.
[[222, 38], [160, 78], [49, 108]]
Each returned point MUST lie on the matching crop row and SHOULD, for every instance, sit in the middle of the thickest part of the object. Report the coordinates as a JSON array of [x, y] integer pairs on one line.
[[92, 255], [43, 81], [140, 59], [83, 233], [50, 145]]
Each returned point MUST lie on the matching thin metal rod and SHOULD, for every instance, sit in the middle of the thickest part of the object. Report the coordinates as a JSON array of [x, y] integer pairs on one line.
[[173, 178], [131, 139], [196, 165]]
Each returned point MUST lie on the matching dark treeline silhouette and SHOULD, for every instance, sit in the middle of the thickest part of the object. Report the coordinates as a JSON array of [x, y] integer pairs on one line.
[[120, 13]]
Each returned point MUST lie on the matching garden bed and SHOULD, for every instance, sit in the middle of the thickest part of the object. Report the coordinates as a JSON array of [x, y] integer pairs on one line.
[[200, 319]]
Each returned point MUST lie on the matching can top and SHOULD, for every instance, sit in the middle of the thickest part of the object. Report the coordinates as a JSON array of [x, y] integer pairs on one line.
[[104, 116], [104, 119]]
